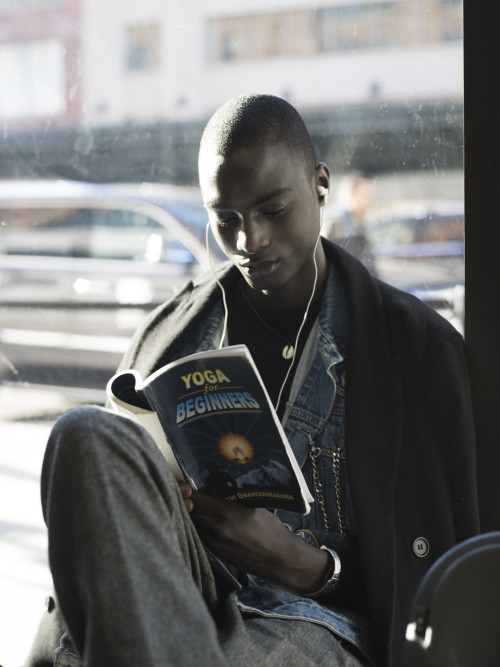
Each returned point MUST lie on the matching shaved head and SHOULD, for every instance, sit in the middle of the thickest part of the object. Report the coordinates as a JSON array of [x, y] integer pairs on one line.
[[251, 121]]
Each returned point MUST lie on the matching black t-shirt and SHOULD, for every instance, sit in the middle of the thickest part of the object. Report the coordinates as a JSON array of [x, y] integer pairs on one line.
[[266, 335]]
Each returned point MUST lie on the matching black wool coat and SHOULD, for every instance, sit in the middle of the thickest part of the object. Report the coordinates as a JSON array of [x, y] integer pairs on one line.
[[409, 430]]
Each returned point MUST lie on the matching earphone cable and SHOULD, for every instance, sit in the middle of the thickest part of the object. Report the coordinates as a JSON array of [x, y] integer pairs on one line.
[[306, 313], [224, 301]]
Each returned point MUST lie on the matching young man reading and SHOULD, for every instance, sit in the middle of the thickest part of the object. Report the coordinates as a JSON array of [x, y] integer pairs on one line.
[[371, 387]]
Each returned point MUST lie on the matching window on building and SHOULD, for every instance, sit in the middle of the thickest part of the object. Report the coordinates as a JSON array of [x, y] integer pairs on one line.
[[143, 47], [230, 39], [32, 78], [261, 36], [345, 27]]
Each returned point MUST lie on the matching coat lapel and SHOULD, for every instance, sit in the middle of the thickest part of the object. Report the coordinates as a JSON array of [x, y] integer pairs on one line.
[[374, 424]]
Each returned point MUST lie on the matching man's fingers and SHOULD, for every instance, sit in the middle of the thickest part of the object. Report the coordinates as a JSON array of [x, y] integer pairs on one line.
[[185, 489], [186, 492], [215, 507]]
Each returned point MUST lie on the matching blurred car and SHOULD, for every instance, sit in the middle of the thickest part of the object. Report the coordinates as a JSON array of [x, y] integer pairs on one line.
[[81, 264], [419, 247]]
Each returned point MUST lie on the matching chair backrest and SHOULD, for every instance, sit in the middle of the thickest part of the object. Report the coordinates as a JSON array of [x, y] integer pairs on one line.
[[455, 621]]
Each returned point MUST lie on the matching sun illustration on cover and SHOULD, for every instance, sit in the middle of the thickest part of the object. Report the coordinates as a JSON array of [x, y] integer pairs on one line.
[[236, 448]]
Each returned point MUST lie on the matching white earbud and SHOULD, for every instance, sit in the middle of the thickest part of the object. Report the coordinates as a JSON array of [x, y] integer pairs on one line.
[[322, 192]]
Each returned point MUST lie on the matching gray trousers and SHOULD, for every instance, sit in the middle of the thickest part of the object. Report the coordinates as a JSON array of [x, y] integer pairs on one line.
[[131, 575]]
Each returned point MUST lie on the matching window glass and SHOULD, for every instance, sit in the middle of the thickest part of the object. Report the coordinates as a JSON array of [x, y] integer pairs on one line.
[[98, 93], [115, 95]]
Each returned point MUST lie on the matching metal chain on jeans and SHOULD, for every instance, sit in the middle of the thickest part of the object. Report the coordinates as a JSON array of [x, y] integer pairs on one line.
[[314, 452], [339, 446]]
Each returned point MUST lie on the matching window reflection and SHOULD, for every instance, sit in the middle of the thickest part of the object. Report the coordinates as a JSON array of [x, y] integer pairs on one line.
[[119, 92]]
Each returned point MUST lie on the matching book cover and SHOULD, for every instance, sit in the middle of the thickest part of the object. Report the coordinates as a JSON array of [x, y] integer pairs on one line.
[[218, 427]]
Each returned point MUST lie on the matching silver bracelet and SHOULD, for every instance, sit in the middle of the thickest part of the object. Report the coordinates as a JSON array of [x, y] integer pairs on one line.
[[333, 580]]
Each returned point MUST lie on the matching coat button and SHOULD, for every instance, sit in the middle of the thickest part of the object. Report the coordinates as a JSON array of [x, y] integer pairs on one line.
[[421, 547]]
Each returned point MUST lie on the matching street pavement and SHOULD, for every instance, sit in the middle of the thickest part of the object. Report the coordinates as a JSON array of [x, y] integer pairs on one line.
[[25, 421]]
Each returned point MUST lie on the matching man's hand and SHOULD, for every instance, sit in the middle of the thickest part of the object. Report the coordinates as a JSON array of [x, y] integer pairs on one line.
[[256, 541]]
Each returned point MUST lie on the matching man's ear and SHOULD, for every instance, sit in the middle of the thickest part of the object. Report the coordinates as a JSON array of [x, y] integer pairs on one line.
[[322, 177]]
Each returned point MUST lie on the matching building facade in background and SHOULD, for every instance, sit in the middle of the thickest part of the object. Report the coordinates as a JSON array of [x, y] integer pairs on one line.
[[68, 63]]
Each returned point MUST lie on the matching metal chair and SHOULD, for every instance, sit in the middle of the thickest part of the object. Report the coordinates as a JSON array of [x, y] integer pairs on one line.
[[455, 621]]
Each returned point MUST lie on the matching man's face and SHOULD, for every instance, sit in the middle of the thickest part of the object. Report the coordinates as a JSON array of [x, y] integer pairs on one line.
[[264, 211]]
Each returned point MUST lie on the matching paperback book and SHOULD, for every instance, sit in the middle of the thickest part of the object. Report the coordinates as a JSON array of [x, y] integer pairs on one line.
[[211, 416]]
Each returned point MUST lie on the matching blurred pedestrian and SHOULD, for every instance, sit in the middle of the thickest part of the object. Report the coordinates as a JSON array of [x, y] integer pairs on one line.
[[345, 221]]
